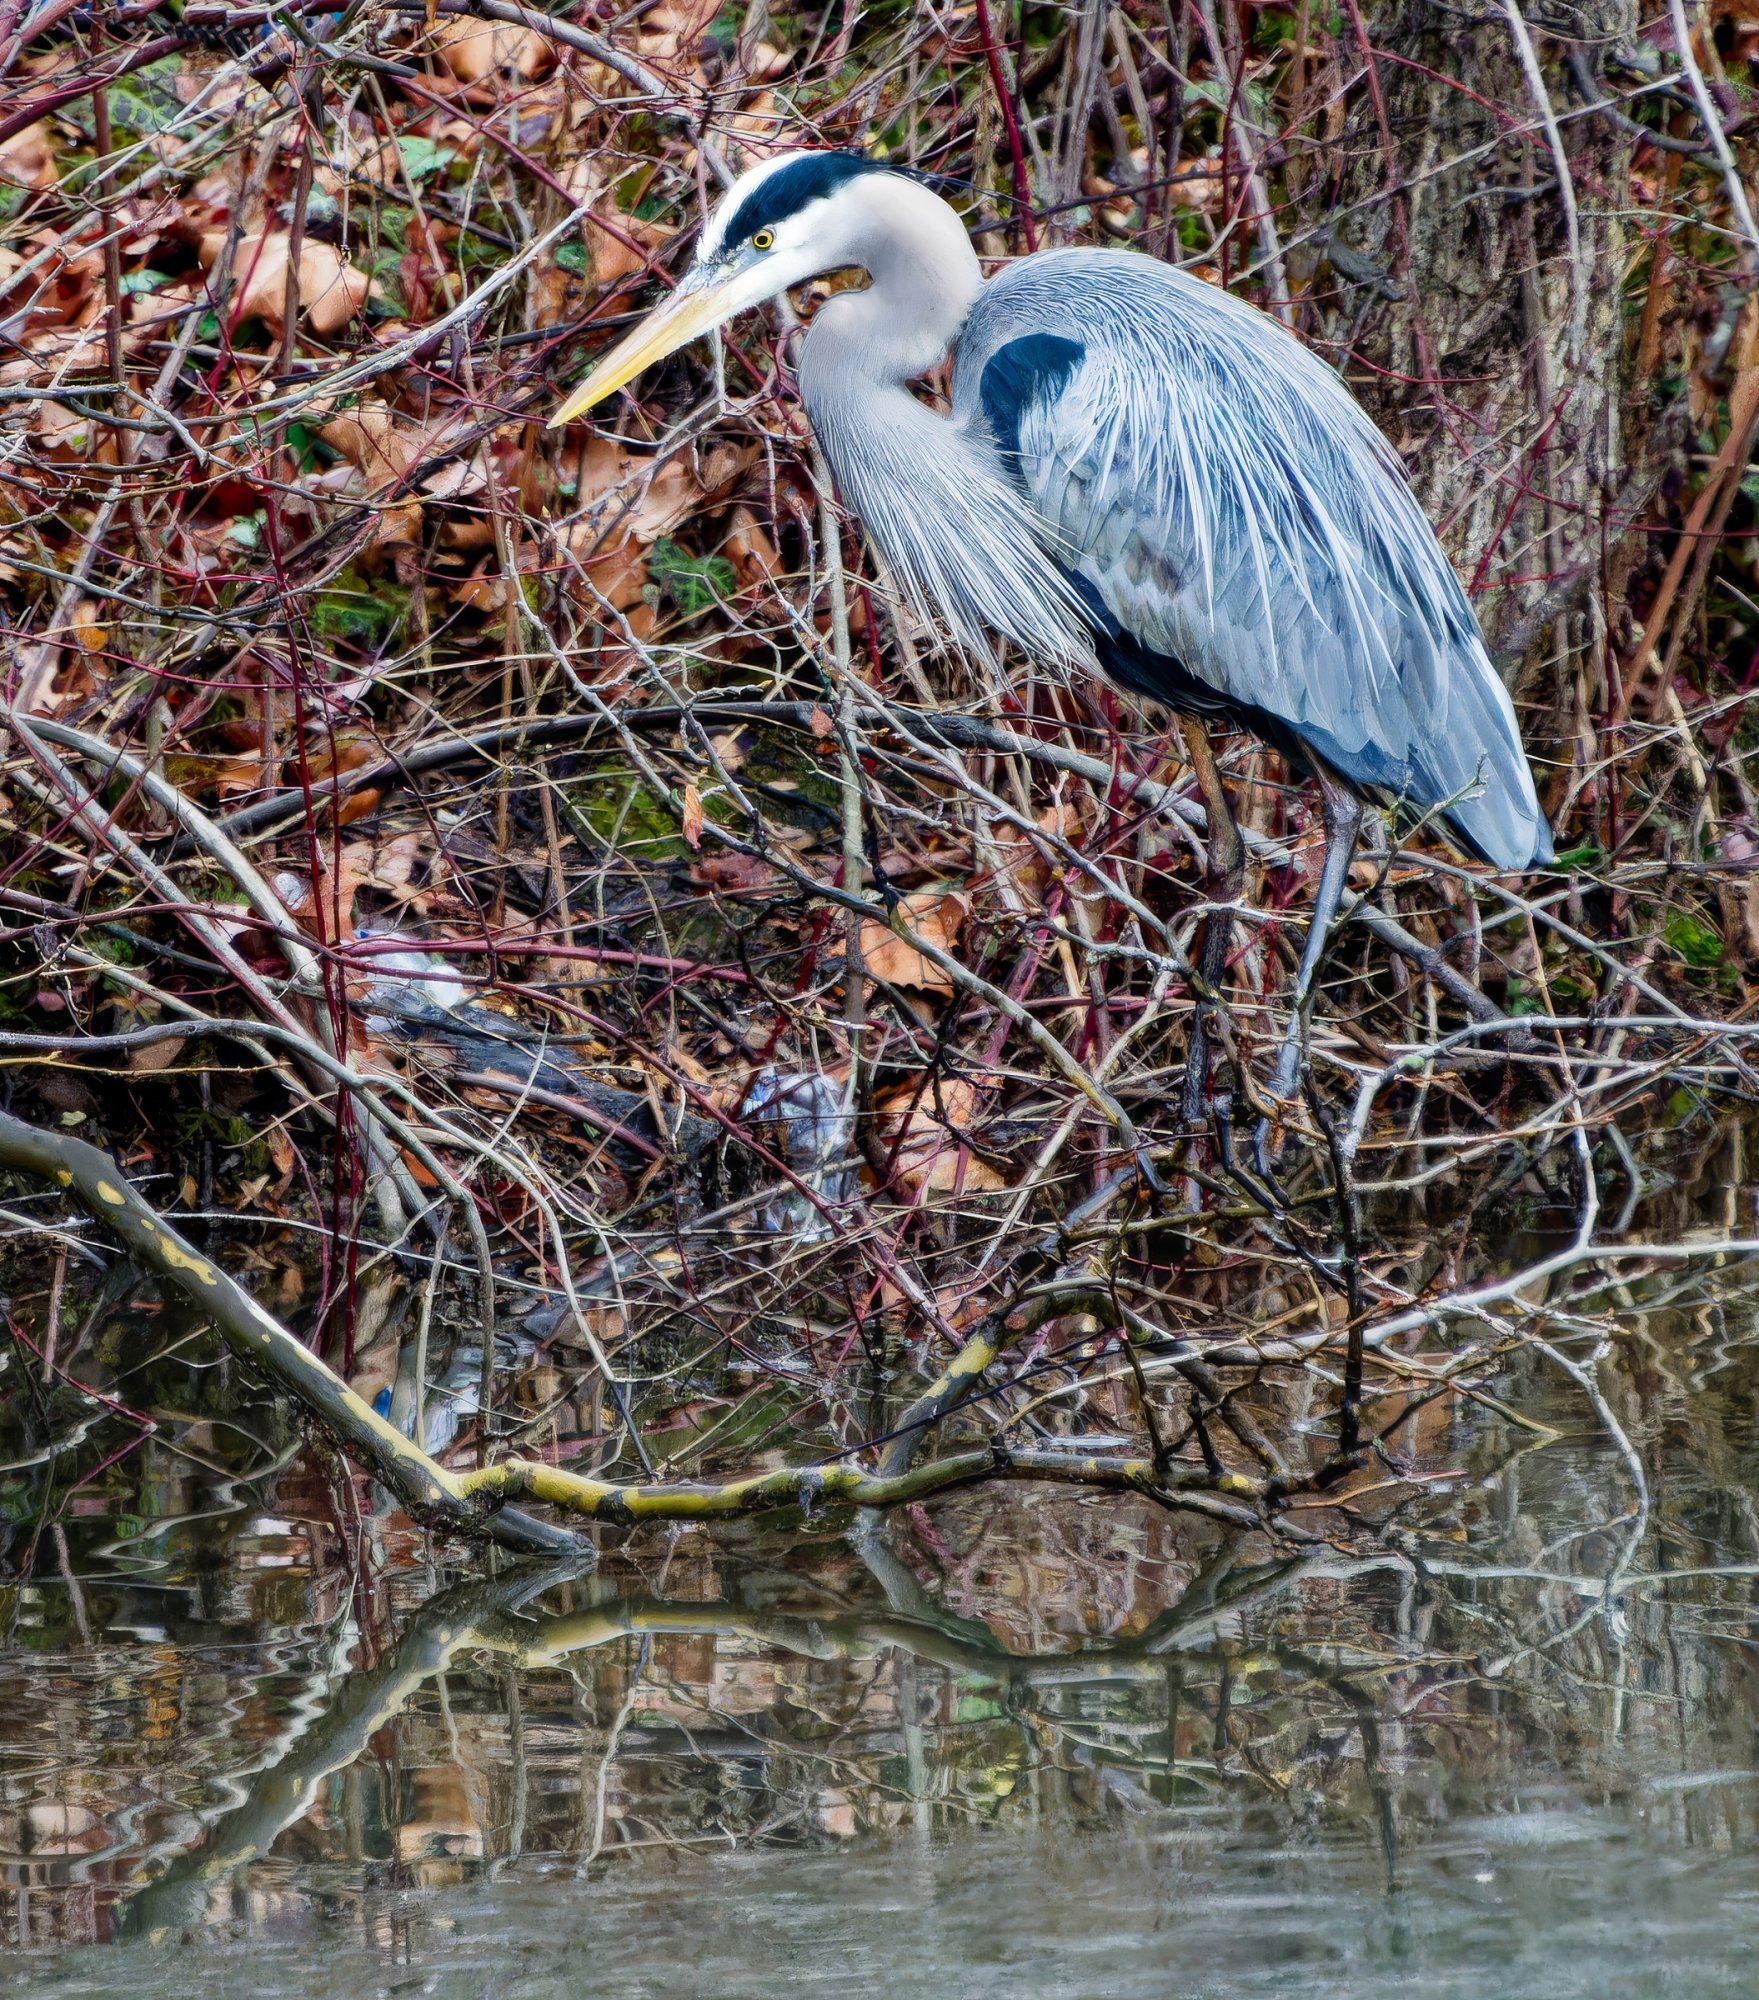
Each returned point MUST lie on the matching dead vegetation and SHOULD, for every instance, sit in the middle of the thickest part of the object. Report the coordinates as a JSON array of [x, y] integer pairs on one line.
[[473, 879]]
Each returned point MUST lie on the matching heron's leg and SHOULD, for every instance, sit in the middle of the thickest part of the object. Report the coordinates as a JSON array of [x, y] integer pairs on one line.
[[1342, 814], [1224, 878]]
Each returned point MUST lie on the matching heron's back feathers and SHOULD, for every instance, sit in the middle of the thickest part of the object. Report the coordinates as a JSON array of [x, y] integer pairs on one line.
[[1232, 519]]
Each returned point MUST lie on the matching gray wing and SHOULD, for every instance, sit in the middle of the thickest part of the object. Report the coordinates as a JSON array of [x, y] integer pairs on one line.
[[1220, 494]]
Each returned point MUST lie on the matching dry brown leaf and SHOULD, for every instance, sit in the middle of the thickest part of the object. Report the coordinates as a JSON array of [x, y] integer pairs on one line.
[[630, 498], [486, 593], [620, 579], [473, 51], [154, 1056], [380, 449], [208, 204], [627, 503], [936, 916], [372, 440], [62, 429], [457, 478], [550, 289], [1022, 863], [155, 308], [227, 775], [27, 159], [757, 125], [691, 817], [616, 244], [331, 290], [614, 249], [347, 750], [387, 866], [90, 634], [916, 1121], [467, 534], [359, 805], [674, 29], [749, 549], [734, 874], [396, 527]]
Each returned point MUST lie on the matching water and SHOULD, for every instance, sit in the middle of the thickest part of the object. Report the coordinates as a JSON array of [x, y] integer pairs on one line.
[[1604, 1913], [250, 1744]]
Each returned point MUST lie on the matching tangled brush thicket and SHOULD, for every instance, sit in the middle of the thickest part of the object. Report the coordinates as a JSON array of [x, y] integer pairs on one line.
[[741, 1005]]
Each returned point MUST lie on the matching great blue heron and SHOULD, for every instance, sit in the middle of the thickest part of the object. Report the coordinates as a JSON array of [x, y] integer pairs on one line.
[[1140, 474]]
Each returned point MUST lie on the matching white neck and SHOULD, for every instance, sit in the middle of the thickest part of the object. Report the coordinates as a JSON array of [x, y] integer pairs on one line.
[[925, 280], [962, 542]]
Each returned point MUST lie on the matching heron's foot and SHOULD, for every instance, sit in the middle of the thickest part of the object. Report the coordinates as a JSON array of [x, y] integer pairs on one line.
[[1276, 1100], [1285, 1079], [1260, 1186], [1267, 1143], [1210, 1061], [1152, 1184]]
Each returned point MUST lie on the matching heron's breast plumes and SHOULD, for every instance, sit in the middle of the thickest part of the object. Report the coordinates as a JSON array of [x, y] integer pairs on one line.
[[962, 543]]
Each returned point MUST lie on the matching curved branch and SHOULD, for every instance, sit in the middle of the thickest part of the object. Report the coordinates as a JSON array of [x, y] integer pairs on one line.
[[471, 1502], [956, 730], [844, 1485], [424, 1487]]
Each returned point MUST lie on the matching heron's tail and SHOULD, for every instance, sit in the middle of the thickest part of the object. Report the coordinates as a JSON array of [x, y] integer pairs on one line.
[[1497, 817], [1491, 832]]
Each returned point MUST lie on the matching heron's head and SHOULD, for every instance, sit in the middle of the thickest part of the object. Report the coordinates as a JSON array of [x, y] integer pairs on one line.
[[792, 219]]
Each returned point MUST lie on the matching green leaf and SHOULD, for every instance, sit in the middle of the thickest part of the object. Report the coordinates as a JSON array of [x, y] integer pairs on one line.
[[694, 583], [978, 1708], [394, 220], [1522, 999], [357, 610], [148, 101], [1250, 97], [308, 448], [1683, 1106], [1587, 855], [148, 280], [107, 944], [627, 816], [422, 157], [1697, 942], [572, 257]]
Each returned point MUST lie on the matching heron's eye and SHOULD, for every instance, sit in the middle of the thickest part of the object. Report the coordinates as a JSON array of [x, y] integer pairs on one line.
[[764, 239]]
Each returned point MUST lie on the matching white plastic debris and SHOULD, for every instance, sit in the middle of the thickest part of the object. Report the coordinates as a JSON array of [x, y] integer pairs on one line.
[[453, 1396], [803, 1120], [403, 982]]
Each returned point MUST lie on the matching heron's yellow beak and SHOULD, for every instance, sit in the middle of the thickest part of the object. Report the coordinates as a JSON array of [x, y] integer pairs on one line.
[[692, 309]]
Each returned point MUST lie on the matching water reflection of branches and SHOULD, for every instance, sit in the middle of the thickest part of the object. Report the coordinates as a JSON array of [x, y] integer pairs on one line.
[[495, 1619]]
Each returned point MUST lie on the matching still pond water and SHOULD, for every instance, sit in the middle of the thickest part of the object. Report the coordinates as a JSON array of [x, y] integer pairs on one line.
[[1508, 1748]]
